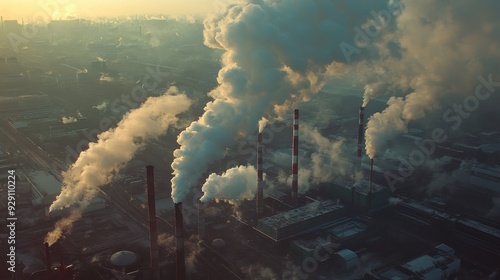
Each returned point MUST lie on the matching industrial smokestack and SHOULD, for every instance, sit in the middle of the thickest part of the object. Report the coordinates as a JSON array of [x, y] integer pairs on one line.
[[295, 156], [180, 266], [201, 220], [260, 178], [369, 196], [62, 272], [361, 130], [48, 261], [153, 233], [371, 176]]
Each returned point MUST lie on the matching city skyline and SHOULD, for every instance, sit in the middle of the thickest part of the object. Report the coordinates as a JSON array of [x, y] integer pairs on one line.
[[40, 11]]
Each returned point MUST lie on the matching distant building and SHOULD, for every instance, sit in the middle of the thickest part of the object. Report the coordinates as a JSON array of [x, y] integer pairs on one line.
[[11, 26], [64, 26], [300, 220], [485, 178], [441, 263], [357, 196], [346, 260]]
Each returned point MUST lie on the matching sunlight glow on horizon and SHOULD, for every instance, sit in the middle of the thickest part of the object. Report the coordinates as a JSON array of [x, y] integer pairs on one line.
[[44, 10]]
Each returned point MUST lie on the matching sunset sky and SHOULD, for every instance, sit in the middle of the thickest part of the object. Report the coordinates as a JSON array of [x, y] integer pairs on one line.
[[59, 9]]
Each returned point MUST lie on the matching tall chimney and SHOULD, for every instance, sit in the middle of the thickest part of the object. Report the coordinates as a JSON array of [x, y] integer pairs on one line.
[[201, 220], [180, 265], [361, 130], [62, 272], [295, 156], [260, 178], [369, 197], [48, 261], [153, 233]]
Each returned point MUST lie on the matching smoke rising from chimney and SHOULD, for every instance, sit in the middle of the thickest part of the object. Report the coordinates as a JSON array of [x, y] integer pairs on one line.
[[463, 45], [235, 184], [277, 53], [384, 126], [262, 124], [66, 120], [98, 165], [324, 160]]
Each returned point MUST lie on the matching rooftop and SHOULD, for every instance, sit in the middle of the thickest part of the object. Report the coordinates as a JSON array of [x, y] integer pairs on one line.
[[300, 214], [348, 229], [45, 182], [361, 186]]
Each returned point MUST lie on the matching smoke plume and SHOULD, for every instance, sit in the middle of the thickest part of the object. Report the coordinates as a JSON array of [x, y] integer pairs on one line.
[[66, 120], [103, 160], [277, 53], [440, 55], [262, 124], [235, 184], [101, 107], [384, 126], [322, 163]]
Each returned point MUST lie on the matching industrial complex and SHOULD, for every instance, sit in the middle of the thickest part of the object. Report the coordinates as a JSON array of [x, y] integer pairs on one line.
[[314, 206]]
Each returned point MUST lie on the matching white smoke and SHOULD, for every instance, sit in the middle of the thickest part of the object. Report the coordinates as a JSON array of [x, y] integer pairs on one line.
[[235, 184], [105, 78], [101, 107], [66, 120], [440, 55], [262, 124], [103, 160], [167, 242], [394, 200], [277, 53], [384, 126], [259, 271], [375, 89], [324, 161]]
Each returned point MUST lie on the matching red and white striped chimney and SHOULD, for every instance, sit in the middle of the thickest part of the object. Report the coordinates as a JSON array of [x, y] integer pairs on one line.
[[295, 156], [180, 263], [260, 177], [361, 130], [153, 233]]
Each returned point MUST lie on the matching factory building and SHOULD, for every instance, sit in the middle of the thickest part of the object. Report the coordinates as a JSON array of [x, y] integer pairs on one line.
[[11, 26], [300, 220], [12, 102], [440, 263], [357, 195], [346, 260], [486, 179]]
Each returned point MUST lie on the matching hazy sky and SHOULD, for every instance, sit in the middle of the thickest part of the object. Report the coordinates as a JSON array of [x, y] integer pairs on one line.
[[57, 9]]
